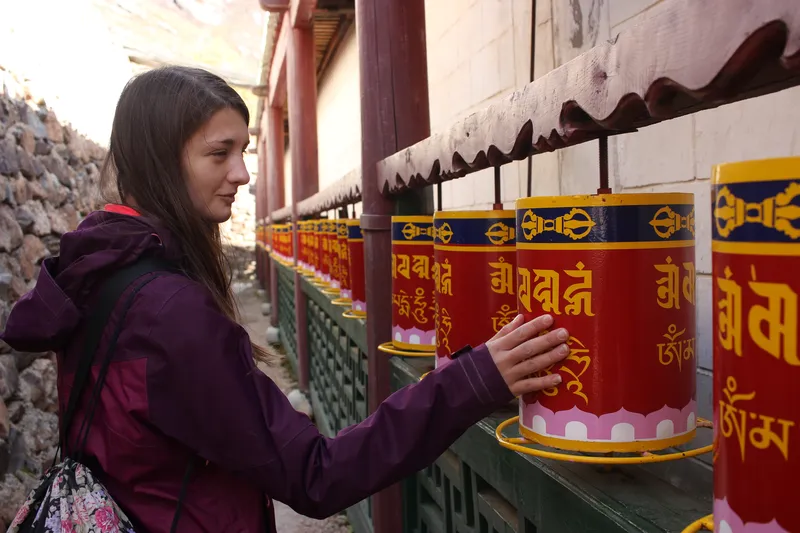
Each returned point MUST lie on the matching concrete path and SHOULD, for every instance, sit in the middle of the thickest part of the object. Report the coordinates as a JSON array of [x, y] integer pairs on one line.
[[256, 325]]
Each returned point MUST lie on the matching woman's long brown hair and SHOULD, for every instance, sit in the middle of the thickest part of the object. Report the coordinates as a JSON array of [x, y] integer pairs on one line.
[[157, 113]]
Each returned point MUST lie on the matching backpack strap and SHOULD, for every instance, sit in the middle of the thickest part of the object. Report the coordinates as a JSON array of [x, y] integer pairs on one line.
[[110, 292]]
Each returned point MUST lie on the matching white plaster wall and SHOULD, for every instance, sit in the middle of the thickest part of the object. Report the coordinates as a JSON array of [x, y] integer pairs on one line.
[[339, 114], [287, 177], [478, 52]]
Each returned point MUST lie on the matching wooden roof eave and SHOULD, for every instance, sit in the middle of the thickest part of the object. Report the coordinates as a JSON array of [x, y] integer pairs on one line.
[[684, 56]]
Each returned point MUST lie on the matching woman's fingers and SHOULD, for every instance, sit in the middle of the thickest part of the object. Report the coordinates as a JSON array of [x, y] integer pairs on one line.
[[539, 362], [524, 332], [529, 385], [508, 328], [539, 344]]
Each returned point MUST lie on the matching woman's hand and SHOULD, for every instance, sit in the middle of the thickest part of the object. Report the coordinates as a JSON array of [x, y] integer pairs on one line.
[[519, 352]]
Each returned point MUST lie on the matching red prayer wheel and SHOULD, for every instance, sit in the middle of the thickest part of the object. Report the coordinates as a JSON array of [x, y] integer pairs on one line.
[[333, 246], [474, 258], [616, 270], [355, 251], [302, 254], [756, 257], [313, 248], [271, 239], [413, 324], [277, 242], [324, 252], [344, 263], [288, 239]]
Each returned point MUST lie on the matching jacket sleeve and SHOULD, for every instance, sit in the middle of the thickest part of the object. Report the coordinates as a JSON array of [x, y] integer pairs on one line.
[[205, 391]]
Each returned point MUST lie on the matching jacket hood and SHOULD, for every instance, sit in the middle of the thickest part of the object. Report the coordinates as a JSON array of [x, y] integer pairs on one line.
[[45, 318]]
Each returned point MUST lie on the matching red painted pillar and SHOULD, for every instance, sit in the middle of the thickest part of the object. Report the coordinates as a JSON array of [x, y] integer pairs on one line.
[[259, 185], [263, 201], [275, 193], [394, 115], [301, 96]]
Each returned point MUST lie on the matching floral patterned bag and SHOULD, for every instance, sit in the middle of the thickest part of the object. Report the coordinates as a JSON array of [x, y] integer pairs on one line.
[[69, 499]]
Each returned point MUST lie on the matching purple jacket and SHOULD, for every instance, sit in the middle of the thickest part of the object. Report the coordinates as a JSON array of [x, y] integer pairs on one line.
[[183, 383]]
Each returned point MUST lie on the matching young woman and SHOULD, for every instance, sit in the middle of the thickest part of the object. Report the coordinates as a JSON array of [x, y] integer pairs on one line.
[[183, 381]]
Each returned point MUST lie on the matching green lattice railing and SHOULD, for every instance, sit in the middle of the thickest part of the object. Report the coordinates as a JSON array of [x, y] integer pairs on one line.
[[476, 486], [286, 318]]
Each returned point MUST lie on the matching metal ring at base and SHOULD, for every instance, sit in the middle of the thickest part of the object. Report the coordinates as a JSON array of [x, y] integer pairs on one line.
[[425, 374], [342, 302], [388, 347], [519, 444], [331, 292], [706, 523], [354, 315]]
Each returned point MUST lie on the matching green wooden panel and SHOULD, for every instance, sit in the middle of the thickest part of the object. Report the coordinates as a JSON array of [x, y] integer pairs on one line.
[[286, 318], [478, 486]]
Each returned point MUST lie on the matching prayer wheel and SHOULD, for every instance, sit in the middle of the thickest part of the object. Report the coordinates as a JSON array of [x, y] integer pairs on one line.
[[355, 252], [755, 234], [618, 272], [344, 263], [413, 325], [313, 249], [333, 247], [474, 258], [324, 252], [302, 246], [277, 242], [287, 237]]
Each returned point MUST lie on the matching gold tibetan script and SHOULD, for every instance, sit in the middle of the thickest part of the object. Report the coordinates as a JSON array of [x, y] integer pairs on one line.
[[579, 295], [401, 266], [774, 327], [777, 211], [502, 317], [444, 326], [421, 266], [771, 324], [676, 349], [667, 222], [501, 276], [401, 301], [735, 421], [576, 224], [420, 306], [670, 287], [443, 277], [577, 355], [546, 290]]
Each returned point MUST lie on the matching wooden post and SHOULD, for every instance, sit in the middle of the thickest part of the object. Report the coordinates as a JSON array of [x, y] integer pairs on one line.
[[394, 115], [301, 96], [275, 192], [262, 199]]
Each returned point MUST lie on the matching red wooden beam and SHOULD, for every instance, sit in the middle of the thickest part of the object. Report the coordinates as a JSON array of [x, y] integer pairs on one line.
[[274, 6], [277, 71], [272, 124], [301, 76], [301, 12]]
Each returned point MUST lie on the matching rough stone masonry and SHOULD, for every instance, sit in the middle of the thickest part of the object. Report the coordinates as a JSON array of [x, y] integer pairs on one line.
[[48, 180]]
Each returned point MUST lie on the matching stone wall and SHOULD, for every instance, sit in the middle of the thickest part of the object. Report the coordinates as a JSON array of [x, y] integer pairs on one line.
[[48, 181]]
